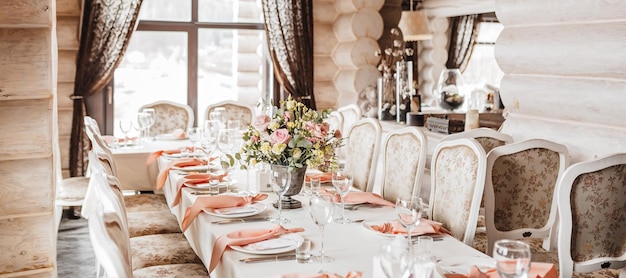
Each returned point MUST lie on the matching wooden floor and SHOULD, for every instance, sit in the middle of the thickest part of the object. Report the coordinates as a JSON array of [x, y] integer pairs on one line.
[[75, 257]]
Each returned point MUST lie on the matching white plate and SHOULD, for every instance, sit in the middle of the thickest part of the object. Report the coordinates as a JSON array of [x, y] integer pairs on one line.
[[207, 185], [197, 168], [238, 212], [167, 137], [462, 265], [291, 241]]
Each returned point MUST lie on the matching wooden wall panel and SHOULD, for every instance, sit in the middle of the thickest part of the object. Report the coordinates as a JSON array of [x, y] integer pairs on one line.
[[26, 62], [21, 191], [68, 7], [65, 122], [577, 49], [27, 129], [523, 12], [67, 65], [64, 145], [67, 33], [64, 91], [27, 244], [26, 13]]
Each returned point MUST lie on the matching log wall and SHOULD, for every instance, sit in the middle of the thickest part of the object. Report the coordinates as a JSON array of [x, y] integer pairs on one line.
[[28, 143]]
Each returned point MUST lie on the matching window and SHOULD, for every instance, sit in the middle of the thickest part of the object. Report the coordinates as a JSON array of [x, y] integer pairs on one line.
[[195, 52]]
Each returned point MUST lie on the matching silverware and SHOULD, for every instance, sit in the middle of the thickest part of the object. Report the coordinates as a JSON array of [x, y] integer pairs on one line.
[[268, 259], [240, 220], [200, 192]]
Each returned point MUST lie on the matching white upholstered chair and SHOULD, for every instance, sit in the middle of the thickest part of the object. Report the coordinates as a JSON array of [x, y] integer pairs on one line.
[[488, 138], [362, 147], [118, 255], [350, 113], [519, 190], [457, 180], [404, 156], [169, 116], [235, 111], [591, 198]]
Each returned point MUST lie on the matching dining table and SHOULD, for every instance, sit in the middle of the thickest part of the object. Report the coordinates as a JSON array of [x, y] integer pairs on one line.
[[354, 246]]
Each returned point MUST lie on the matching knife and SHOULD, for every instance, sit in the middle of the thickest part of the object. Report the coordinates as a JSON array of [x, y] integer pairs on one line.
[[239, 220], [268, 259]]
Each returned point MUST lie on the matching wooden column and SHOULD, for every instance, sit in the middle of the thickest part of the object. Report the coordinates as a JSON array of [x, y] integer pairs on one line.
[[28, 141]]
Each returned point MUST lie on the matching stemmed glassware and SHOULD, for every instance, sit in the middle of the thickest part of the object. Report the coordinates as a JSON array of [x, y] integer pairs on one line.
[[228, 162], [150, 121], [512, 258], [280, 180], [194, 134], [409, 210], [342, 181], [321, 209], [395, 260], [125, 127], [226, 140]]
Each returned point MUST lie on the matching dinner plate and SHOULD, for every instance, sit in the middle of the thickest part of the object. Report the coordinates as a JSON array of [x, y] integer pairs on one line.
[[282, 244], [196, 168], [462, 264], [207, 185], [237, 212], [167, 137]]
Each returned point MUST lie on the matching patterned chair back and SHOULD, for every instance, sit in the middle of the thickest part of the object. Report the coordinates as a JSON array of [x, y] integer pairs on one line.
[[235, 111], [519, 188], [488, 138], [351, 114], [457, 180], [404, 157], [362, 148], [591, 198], [169, 117]]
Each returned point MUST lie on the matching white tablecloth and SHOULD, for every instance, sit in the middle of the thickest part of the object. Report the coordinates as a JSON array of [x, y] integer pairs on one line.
[[352, 246]]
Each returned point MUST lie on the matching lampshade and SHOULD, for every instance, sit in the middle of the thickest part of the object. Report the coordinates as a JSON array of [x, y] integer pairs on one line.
[[414, 26]]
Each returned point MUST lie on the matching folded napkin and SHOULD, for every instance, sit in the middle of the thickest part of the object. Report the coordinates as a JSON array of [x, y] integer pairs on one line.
[[367, 197], [537, 270], [351, 274], [217, 202], [154, 156], [109, 140], [244, 237], [162, 176], [324, 177], [194, 179], [178, 133], [425, 227]]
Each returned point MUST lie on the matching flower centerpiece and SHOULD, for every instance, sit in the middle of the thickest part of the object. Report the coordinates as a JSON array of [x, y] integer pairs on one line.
[[296, 137]]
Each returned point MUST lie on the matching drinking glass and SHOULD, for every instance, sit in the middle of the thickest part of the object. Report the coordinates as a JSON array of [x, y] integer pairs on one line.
[[512, 258], [226, 140], [448, 93], [409, 210], [342, 181], [150, 120], [125, 127], [228, 162], [321, 209], [209, 145], [280, 180], [194, 134], [211, 128], [234, 125], [219, 117], [394, 260]]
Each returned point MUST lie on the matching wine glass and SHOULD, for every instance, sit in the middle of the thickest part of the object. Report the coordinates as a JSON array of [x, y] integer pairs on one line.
[[226, 140], [512, 258], [211, 128], [234, 125], [409, 210], [150, 120], [280, 180], [342, 181], [394, 260], [321, 209], [141, 124], [194, 134], [228, 162], [125, 127]]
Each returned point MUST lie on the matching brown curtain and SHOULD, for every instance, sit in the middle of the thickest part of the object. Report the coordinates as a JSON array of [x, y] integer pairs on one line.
[[289, 29], [462, 41], [106, 29]]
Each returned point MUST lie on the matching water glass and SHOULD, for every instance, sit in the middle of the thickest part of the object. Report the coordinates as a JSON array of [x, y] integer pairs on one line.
[[409, 210], [322, 209], [342, 181], [303, 251], [395, 260], [512, 258], [316, 186]]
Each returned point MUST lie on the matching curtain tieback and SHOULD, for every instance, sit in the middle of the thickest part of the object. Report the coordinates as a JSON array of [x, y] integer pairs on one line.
[[75, 97]]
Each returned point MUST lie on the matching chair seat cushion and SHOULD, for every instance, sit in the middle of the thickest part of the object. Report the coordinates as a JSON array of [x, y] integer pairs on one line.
[[145, 202], [73, 189], [161, 249], [173, 270], [142, 223]]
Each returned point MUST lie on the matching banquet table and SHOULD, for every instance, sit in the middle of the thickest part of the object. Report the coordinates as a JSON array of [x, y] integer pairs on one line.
[[352, 245]]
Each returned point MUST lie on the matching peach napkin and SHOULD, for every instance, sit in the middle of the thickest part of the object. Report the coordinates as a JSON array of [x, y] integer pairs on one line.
[[244, 237], [367, 197], [194, 179], [324, 177], [162, 176], [154, 156], [425, 227], [217, 202], [537, 270], [351, 274]]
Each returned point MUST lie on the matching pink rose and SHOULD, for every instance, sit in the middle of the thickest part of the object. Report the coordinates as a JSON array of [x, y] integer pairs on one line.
[[254, 139], [280, 136], [261, 122], [287, 116], [338, 133]]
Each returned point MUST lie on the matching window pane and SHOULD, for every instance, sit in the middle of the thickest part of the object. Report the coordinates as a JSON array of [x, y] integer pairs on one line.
[[229, 11], [165, 10], [154, 68], [230, 67]]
